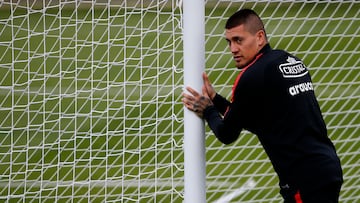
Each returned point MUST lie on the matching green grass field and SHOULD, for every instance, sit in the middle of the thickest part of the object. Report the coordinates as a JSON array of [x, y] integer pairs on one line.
[[91, 111]]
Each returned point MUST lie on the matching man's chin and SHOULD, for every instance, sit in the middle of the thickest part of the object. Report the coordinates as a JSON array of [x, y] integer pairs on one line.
[[239, 66]]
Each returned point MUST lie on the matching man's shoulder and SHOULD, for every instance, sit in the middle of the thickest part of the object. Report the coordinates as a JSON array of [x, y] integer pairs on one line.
[[278, 54], [272, 58], [277, 57], [281, 64]]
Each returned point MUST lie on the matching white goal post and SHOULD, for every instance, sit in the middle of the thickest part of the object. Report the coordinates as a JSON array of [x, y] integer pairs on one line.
[[194, 132], [90, 98]]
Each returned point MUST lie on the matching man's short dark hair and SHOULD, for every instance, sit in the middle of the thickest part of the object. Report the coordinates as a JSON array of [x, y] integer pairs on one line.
[[246, 17]]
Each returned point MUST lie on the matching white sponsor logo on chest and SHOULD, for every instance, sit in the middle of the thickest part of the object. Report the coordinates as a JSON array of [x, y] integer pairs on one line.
[[293, 69]]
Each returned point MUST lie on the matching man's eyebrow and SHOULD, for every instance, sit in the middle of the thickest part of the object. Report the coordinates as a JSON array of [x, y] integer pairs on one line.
[[233, 38]]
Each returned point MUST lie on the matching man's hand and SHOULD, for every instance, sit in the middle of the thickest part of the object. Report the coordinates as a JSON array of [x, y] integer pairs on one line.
[[208, 87], [197, 102]]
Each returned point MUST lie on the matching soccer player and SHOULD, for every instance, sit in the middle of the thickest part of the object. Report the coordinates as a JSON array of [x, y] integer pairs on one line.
[[273, 97]]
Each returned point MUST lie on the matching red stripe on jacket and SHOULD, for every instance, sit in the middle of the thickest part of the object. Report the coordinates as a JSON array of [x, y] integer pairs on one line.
[[298, 197], [238, 79]]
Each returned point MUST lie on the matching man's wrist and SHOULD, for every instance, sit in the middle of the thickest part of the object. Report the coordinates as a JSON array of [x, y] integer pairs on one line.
[[208, 110]]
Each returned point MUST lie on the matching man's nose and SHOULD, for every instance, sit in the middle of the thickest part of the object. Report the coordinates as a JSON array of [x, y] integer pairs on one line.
[[234, 48]]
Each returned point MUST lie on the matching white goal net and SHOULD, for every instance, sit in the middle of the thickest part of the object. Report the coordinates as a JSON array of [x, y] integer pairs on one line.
[[90, 98]]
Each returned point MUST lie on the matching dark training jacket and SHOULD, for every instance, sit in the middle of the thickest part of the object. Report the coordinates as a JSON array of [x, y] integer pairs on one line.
[[273, 97]]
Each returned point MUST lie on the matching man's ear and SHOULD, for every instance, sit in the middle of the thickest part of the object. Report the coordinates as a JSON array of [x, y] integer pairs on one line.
[[261, 37]]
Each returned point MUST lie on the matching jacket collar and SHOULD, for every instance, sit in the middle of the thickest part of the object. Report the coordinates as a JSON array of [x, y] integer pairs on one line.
[[265, 49]]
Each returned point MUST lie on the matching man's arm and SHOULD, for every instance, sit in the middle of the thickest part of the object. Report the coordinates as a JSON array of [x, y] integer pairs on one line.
[[226, 128], [221, 103], [223, 128]]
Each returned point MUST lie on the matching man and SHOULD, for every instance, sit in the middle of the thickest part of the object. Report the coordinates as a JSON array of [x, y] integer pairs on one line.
[[273, 97]]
